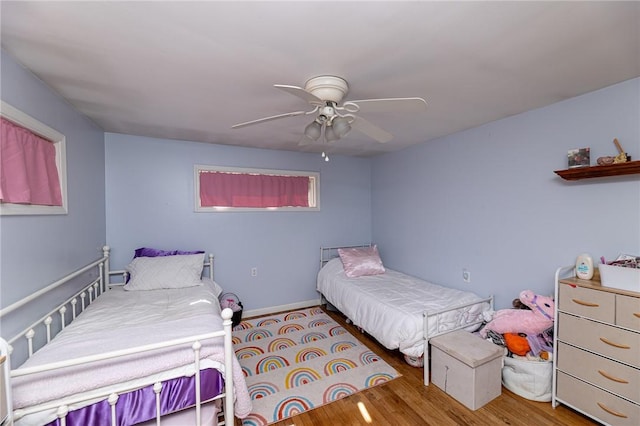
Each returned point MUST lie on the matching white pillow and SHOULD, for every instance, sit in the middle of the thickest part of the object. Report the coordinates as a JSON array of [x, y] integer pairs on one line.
[[152, 273], [214, 286]]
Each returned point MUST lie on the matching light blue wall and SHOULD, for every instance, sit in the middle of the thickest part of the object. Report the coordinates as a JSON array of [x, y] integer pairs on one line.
[[36, 250], [487, 199], [150, 202]]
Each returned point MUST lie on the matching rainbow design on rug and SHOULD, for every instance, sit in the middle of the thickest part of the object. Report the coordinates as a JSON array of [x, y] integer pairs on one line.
[[257, 335], [244, 325], [317, 323], [313, 362], [337, 391], [246, 371], [312, 337], [377, 379], [292, 406], [248, 351], [271, 362], [336, 331], [262, 390], [367, 357], [290, 328], [301, 376], [316, 311], [294, 316], [254, 419], [280, 343], [338, 365], [342, 346], [309, 353], [267, 321]]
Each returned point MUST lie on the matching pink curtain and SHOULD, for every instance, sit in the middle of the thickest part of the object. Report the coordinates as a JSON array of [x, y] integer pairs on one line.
[[219, 189], [28, 172]]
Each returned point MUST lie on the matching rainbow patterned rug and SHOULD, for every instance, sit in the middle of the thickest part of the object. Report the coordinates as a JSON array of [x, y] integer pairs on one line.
[[296, 361]]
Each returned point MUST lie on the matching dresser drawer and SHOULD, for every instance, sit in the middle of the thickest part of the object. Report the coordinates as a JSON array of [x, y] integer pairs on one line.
[[610, 375], [600, 404], [628, 311], [599, 305], [619, 344]]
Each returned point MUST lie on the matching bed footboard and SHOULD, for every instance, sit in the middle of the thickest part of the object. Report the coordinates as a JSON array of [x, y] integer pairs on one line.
[[437, 317]]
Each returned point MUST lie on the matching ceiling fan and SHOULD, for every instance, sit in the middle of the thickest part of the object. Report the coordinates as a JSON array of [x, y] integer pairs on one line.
[[334, 119]]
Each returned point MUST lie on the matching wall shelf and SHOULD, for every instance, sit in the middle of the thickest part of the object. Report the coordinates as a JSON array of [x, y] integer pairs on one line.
[[628, 168]]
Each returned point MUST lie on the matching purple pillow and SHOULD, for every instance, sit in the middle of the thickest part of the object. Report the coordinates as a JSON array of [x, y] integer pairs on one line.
[[151, 252]]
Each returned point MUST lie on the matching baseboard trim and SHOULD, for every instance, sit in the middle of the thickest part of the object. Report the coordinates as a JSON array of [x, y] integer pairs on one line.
[[280, 308]]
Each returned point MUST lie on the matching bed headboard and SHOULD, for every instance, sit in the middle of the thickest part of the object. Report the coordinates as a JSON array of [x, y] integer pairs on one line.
[[207, 271], [328, 253]]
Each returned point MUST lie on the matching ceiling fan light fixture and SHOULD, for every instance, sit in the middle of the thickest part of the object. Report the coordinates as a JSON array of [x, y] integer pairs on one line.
[[341, 126], [327, 87], [330, 135], [313, 130]]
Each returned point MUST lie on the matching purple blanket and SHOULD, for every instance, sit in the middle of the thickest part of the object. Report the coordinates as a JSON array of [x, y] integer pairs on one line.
[[140, 405]]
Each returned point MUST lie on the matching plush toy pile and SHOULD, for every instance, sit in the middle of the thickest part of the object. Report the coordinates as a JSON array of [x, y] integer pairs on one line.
[[527, 329]]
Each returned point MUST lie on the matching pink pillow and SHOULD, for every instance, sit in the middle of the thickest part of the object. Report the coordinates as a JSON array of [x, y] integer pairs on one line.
[[361, 261]]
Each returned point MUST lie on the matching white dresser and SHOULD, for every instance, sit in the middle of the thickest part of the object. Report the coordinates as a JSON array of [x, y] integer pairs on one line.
[[597, 351]]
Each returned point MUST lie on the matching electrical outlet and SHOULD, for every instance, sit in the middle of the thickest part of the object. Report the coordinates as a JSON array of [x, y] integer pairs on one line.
[[466, 276], [254, 272]]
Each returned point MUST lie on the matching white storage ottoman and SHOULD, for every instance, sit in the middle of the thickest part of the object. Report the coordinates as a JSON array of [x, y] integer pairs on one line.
[[467, 367]]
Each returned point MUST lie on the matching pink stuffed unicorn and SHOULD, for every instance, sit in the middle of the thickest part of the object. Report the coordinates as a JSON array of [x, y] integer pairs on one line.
[[531, 322]]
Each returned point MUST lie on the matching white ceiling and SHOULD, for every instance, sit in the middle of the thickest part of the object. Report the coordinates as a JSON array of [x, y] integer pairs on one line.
[[190, 70]]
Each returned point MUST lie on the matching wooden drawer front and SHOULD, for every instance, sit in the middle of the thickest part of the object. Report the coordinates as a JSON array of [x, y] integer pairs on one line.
[[599, 305], [628, 311], [621, 345], [613, 376], [604, 406]]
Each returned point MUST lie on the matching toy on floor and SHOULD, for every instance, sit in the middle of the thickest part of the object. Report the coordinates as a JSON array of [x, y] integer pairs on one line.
[[530, 322], [517, 343]]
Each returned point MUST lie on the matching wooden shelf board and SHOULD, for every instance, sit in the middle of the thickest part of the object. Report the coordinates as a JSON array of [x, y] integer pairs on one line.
[[628, 168]]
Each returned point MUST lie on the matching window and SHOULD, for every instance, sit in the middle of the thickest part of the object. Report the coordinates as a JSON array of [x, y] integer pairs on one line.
[[220, 189], [39, 185]]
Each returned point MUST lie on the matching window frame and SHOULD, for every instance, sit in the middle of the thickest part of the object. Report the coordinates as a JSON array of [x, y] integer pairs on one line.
[[314, 189], [59, 142]]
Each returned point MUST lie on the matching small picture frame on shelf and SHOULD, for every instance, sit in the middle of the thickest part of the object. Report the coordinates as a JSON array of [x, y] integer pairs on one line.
[[579, 157]]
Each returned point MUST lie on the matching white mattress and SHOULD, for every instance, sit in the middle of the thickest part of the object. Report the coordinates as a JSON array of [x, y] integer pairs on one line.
[[121, 319], [390, 306]]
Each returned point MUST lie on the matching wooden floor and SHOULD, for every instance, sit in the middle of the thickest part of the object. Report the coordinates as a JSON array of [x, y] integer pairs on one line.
[[406, 401]]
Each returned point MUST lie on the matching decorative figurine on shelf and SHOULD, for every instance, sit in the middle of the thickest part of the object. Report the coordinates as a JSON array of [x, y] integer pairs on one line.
[[605, 161], [622, 156]]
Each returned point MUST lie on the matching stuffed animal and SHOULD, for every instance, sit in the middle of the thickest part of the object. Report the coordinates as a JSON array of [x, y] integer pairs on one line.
[[517, 343], [530, 322]]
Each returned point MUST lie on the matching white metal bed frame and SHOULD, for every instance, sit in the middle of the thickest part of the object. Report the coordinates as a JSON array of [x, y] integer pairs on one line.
[[92, 291], [328, 253]]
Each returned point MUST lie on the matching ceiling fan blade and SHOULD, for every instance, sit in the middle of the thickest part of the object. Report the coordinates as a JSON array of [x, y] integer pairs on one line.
[[391, 104], [371, 130], [262, 120], [301, 93]]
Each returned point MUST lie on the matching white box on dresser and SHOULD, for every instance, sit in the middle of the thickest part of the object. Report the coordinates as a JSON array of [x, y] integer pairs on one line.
[[597, 351]]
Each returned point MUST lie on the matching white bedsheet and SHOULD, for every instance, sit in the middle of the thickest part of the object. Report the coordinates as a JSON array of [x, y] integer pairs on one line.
[[121, 319], [390, 306]]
